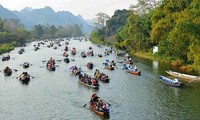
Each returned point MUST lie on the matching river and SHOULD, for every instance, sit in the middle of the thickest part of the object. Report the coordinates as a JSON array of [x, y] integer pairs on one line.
[[58, 95]]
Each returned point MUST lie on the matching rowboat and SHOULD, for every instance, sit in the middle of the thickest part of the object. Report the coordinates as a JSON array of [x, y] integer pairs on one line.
[[175, 82], [66, 60], [109, 68], [90, 86], [90, 65], [99, 106], [134, 72], [25, 65], [24, 78], [184, 76], [7, 72]]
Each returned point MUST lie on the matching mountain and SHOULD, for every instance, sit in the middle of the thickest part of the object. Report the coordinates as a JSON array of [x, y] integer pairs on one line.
[[30, 17], [7, 14], [47, 15]]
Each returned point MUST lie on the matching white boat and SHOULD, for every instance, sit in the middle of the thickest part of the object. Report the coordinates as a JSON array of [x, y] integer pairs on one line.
[[172, 82], [184, 76]]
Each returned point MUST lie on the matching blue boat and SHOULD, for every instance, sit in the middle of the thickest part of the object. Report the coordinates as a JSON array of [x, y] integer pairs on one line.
[[173, 82]]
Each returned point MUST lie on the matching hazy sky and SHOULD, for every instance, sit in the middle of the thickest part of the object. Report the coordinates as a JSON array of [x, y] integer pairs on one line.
[[86, 8]]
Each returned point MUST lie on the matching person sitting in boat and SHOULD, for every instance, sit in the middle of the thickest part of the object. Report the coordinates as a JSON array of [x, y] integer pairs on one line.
[[126, 55], [130, 60], [65, 54], [94, 98], [51, 62], [135, 68], [24, 75], [113, 63], [105, 108], [93, 82], [97, 73]]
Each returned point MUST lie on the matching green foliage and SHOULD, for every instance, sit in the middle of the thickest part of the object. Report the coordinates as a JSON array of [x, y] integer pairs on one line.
[[53, 32], [97, 36], [5, 48], [117, 21], [172, 25]]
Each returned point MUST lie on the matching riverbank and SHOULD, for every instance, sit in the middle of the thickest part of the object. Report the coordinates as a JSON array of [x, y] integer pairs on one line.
[[5, 48], [188, 68]]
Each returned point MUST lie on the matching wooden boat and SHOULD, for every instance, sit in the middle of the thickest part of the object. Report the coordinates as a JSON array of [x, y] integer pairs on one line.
[[7, 72], [134, 72], [184, 76], [171, 82], [90, 86], [83, 55], [66, 60], [6, 58], [24, 78], [93, 107], [25, 65], [109, 68], [90, 65]]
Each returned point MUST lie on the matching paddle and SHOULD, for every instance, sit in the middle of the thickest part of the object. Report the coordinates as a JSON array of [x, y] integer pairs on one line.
[[72, 59], [85, 104], [32, 76], [57, 65], [106, 102], [44, 61], [15, 70], [59, 60]]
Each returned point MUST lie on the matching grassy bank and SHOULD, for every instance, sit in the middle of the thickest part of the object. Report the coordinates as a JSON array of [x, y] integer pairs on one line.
[[5, 48], [178, 63]]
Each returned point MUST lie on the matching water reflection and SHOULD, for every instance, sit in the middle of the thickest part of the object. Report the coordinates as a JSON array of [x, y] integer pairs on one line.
[[155, 64]]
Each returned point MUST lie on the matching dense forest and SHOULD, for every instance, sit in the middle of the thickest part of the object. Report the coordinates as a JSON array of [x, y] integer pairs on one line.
[[13, 33], [172, 25]]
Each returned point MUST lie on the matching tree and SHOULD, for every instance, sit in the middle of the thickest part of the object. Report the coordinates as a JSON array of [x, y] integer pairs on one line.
[[100, 20], [38, 31]]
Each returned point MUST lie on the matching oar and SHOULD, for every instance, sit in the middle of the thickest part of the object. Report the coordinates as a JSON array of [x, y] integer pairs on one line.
[[59, 60], [15, 70], [32, 76], [85, 104], [57, 65], [120, 62], [72, 59], [106, 102]]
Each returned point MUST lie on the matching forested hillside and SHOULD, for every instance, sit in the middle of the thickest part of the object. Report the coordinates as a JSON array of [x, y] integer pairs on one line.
[[172, 25]]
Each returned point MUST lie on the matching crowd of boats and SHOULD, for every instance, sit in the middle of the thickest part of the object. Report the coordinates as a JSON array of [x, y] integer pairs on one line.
[[96, 103]]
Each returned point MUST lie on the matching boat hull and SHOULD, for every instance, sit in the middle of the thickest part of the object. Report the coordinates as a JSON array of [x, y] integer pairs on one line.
[[184, 76], [170, 81]]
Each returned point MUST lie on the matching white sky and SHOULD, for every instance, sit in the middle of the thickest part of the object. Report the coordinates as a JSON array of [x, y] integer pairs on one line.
[[87, 8]]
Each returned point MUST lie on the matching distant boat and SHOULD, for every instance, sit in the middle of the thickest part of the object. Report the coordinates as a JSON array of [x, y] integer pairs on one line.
[[184, 76], [173, 82]]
